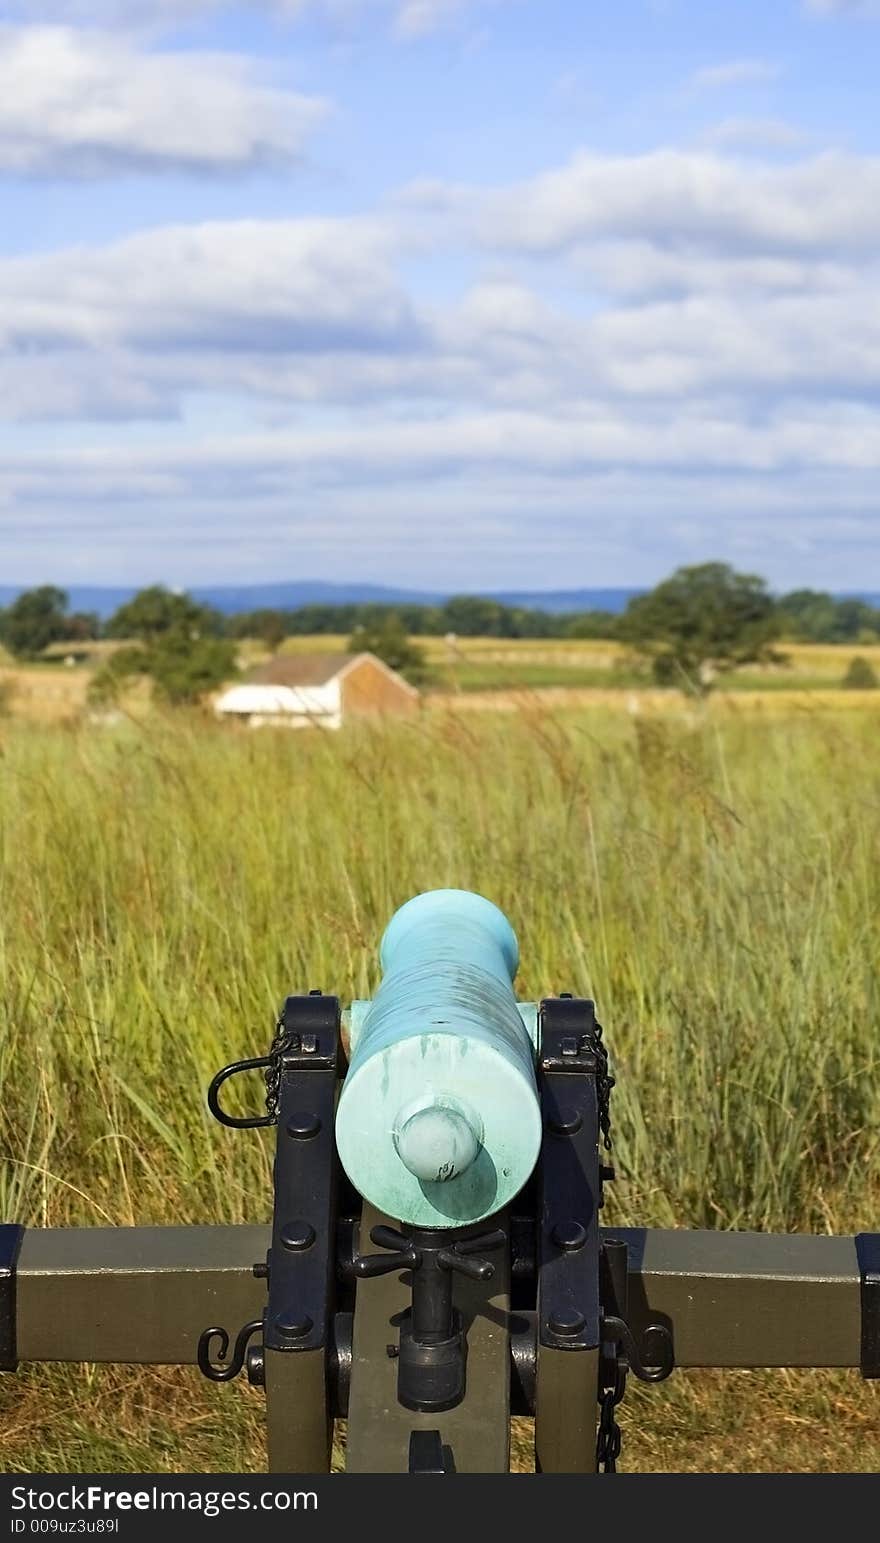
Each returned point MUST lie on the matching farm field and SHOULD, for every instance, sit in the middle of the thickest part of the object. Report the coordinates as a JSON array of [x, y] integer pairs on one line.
[[484, 672], [714, 884]]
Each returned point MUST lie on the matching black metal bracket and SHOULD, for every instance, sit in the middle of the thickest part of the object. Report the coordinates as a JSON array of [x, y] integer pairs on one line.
[[652, 1357], [651, 1360], [301, 1262], [868, 1255], [570, 1184], [302, 1258], [11, 1235]]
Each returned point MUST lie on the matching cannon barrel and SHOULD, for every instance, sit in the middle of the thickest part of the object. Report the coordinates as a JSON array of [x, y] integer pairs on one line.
[[438, 1122]]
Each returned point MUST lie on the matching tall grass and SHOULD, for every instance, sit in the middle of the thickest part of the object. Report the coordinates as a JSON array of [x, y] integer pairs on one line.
[[715, 888]]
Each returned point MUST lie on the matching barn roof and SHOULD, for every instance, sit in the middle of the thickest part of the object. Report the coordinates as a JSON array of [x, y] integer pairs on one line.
[[305, 670], [300, 669]]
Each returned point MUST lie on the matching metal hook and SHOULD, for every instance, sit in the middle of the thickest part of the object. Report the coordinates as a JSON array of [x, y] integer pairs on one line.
[[221, 1373], [622, 1334], [257, 1063]]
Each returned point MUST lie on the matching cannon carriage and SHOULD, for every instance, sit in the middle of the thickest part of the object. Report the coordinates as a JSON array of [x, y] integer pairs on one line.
[[436, 1262]]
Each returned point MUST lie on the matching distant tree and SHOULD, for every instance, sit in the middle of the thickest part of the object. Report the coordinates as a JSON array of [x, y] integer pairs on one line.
[[473, 616], [854, 619], [808, 615], [701, 621], [270, 626], [592, 624], [465, 615], [186, 669], [82, 627], [35, 619], [860, 676], [183, 669], [108, 682], [813, 616], [323, 618], [157, 610], [390, 642]]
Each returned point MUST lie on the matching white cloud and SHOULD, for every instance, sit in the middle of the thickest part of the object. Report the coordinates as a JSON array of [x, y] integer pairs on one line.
[[844, 7], [407, 19], [574, 446], [276, 286], [418, 18], [735, 72], [87, 104], [684, 201], [755, 134]]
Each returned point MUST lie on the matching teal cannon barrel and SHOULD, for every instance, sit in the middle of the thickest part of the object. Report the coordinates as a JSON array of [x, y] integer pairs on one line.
[[438, 1123]]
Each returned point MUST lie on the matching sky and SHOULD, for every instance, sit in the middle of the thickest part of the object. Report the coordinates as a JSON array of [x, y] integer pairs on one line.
[[451, 294]]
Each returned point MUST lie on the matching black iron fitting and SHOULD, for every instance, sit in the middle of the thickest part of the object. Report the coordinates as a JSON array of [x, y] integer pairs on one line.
[[302, 1274], [309, 1025], [561, 1052], [301, 1068], [570, 1188], [651, 1360], [306, 1039], [217, 1365], [11, 1235], [432, 1352], [427, 1454]]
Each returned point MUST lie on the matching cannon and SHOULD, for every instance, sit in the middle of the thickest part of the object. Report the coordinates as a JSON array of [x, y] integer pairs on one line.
[[436, 1263]]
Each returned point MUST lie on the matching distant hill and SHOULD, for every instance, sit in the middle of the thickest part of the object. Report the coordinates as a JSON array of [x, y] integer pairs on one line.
[[290, 596]]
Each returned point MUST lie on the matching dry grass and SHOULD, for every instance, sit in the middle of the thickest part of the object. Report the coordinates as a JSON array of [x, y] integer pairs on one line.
[[653, 703]]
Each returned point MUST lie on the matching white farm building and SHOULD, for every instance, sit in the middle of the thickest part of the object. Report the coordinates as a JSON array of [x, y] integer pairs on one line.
[[297, 690]]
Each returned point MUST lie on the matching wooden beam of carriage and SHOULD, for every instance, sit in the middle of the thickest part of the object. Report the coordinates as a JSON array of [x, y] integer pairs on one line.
[[144, 1294]]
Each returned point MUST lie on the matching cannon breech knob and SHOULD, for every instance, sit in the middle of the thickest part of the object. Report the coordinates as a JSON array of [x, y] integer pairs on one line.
[[431, 1359]]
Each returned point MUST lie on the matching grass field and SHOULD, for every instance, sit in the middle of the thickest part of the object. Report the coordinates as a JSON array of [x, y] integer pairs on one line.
[[715, 886]]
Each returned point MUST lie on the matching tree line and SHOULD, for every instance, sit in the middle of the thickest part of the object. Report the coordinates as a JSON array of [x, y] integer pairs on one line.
[[702, 620], [41, 617]]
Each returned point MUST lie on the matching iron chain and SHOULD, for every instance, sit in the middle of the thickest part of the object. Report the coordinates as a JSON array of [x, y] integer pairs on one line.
[[281, 1043], [609, 1439], [604, 1084]]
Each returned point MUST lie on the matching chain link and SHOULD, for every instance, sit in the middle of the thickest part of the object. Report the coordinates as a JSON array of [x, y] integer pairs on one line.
[[604, 1084], [281, 1043], [609, 1439]]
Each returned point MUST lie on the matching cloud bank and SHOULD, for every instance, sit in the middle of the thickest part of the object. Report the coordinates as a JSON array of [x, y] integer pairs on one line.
[[682, 344]]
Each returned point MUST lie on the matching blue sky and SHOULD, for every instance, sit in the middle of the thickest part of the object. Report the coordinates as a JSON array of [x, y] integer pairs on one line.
[[446, 293]]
